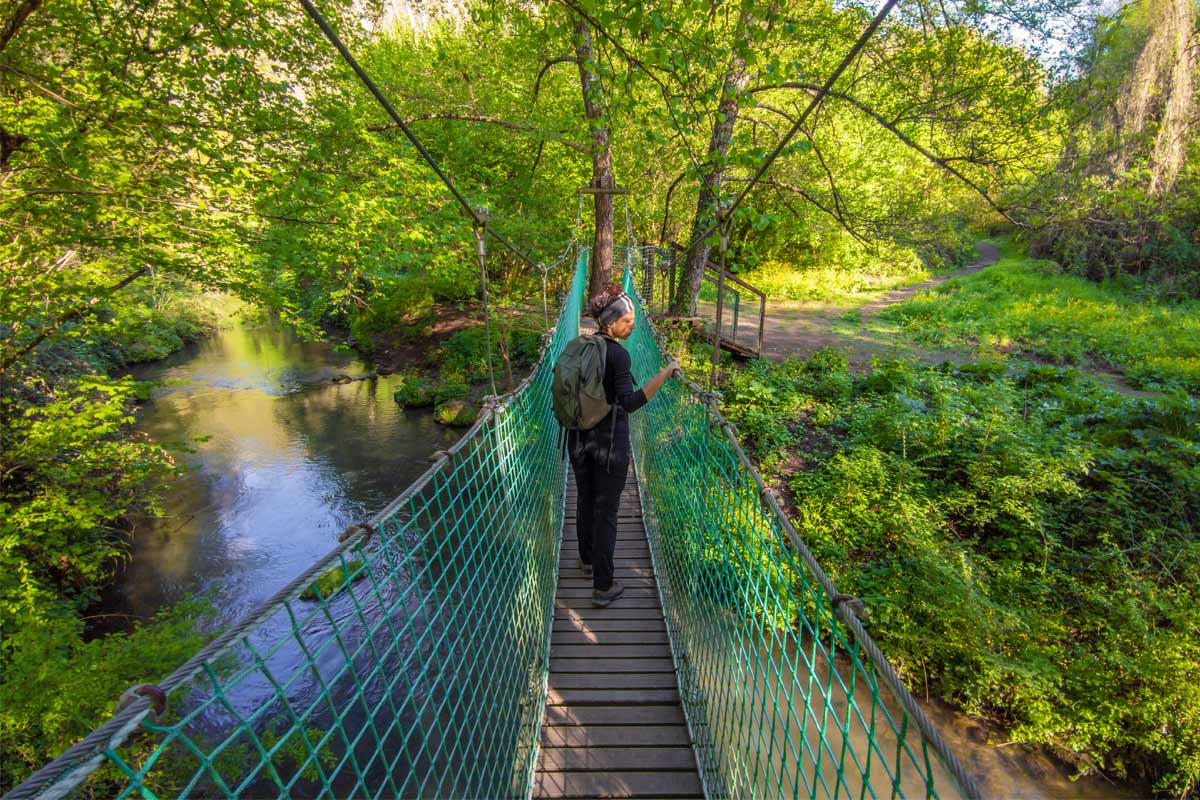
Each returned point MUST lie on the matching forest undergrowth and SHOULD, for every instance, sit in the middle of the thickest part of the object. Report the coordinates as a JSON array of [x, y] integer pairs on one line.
[[1024, 537]]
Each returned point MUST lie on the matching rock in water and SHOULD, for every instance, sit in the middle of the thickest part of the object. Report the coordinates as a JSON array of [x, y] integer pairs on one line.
[[414, 392], [458, 413]]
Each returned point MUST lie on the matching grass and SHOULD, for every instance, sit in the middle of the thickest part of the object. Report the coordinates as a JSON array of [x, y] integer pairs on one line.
[[1026, 306], [832, 285]]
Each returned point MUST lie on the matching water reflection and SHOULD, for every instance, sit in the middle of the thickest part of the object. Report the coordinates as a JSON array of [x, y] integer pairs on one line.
[[283, 461]]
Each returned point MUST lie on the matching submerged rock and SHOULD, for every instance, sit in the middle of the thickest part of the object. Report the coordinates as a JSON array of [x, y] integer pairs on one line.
[[458, 413], [334, 580]]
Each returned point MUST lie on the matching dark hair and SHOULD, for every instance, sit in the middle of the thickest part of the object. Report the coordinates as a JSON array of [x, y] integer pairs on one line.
[[603, 299]]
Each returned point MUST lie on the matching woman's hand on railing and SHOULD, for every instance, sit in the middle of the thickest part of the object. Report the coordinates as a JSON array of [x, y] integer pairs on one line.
[[651, 387]]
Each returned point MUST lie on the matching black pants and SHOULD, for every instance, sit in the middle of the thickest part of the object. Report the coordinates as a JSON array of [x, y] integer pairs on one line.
[[596, 509]]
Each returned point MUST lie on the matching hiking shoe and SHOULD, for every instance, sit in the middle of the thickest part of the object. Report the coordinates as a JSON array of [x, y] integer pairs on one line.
[[585, 568], [601, 599]]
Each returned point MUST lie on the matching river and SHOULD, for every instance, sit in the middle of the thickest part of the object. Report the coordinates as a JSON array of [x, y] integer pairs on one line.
[[282, 460]]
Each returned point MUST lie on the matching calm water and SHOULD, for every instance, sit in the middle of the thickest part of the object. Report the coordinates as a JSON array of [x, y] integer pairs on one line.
[[283, 461]]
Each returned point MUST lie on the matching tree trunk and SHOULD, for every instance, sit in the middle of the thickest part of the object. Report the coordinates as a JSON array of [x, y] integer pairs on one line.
[[736, 78], [602, 175]]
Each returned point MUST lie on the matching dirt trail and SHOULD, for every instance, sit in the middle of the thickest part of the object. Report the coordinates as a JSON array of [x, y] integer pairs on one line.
[[796, 329]]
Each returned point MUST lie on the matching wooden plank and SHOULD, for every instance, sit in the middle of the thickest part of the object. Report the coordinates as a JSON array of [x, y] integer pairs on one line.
[[618, 784], [565, 592], [614, 735], [626, 601], [610, 637], [614, 611], [575, 581], [609, 625], [619, 562], [573, 759], [602, 678], [611, 697], [589, 665], [614, 715], [630, 546], [609, 651]]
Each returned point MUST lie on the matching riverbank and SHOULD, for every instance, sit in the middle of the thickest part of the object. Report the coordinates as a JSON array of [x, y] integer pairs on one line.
[[75, 474]]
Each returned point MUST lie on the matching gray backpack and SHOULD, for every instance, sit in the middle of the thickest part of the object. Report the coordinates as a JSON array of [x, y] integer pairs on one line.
[[577, 391]]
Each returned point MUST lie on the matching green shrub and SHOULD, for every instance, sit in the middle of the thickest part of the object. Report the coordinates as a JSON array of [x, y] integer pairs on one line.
[[71, 470], [413, 391], [1025, 543], [465, 352], [58, 685]]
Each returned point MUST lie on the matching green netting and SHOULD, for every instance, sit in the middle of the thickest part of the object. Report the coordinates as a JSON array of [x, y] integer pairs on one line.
[[785, 695], [422, 676]]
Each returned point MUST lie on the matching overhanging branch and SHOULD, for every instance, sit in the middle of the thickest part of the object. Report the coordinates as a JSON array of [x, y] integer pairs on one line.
[[883, 122]]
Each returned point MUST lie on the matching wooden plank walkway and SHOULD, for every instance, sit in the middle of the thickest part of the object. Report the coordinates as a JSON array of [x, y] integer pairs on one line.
[[613, 726]]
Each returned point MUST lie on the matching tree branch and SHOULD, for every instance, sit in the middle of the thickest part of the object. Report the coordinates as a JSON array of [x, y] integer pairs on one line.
[[19, 16], [899, 134], [537, 83], [73, 314], [521, 127]]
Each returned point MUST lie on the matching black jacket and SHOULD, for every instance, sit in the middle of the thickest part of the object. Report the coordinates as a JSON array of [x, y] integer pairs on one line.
[[608, 442]]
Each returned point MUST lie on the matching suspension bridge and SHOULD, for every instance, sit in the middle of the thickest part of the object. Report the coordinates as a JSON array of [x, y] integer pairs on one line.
[[457, 656]]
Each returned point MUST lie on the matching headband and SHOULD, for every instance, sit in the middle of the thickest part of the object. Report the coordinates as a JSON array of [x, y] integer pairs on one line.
[[619, 307]]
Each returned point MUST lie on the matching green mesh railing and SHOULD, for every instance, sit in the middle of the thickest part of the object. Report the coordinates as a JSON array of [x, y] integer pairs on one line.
[[423, 676], [784, 692]]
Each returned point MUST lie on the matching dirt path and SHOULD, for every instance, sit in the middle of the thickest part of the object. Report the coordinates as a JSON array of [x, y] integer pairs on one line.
[[796, 329]]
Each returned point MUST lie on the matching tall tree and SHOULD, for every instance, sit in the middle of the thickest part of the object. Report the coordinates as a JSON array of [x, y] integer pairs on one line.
[[734, 83], [596, 111]]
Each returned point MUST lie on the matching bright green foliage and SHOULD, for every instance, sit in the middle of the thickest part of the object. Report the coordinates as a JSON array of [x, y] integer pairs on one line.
[[464, 355], [70, 471], [861, 279], [57, 684], [1027, 544], [1031, 306]]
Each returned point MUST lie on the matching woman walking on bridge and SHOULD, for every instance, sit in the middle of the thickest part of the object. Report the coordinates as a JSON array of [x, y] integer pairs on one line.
[[600, 455]]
